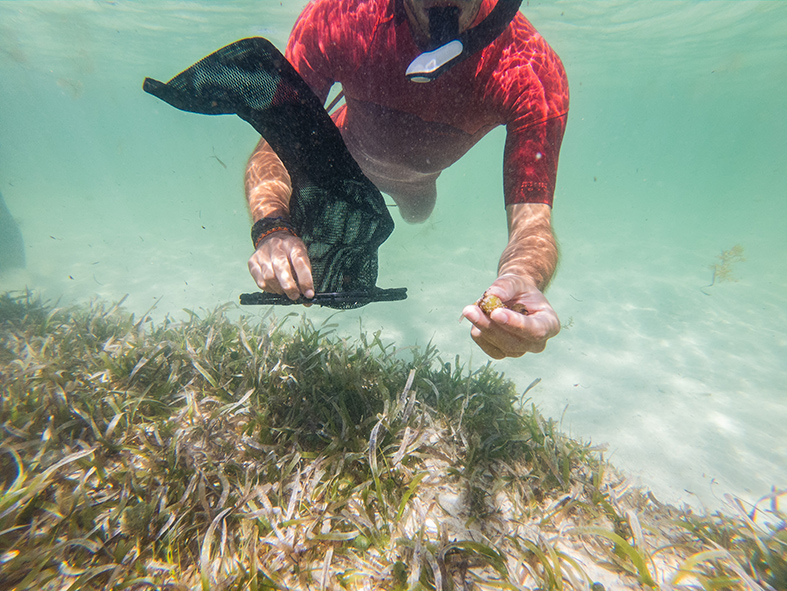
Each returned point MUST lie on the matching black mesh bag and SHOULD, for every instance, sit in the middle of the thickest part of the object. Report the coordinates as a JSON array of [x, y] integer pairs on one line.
[[340, 215]]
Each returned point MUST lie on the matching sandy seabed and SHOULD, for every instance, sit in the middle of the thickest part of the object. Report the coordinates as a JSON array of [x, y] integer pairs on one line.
[[684, 383]]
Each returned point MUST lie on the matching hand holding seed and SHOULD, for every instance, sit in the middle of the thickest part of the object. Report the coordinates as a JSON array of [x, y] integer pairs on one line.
[[512, 318]]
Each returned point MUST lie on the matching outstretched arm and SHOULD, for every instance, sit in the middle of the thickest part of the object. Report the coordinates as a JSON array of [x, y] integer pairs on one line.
[[532, 249], [280, 263], [526, 266]]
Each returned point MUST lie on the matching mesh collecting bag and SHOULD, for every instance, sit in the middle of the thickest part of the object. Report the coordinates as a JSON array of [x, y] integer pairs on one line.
[[340, 215]]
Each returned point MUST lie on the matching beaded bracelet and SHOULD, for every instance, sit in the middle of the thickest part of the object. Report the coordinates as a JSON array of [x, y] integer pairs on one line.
[[266, 226]]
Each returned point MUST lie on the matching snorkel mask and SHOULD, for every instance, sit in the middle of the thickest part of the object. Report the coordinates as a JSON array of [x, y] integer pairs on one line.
[[451, 47]]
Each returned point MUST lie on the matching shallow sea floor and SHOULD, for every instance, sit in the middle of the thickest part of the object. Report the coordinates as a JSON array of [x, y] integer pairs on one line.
[[683, 382], [217, 454]]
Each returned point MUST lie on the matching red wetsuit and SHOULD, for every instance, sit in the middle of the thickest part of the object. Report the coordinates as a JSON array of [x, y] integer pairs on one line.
[[403, 133]]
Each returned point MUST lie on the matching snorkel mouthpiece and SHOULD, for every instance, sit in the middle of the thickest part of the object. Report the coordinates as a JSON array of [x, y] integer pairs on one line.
[[429, 65], [449, 47], [443, 43]]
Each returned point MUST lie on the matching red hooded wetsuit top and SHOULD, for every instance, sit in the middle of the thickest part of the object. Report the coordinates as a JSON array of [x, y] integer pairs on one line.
[[404, 133]]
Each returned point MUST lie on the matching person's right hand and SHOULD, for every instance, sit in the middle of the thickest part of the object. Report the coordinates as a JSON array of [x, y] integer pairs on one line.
[[281, 265]]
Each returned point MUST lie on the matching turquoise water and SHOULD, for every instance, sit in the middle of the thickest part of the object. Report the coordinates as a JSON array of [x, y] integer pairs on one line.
[[674, 152]]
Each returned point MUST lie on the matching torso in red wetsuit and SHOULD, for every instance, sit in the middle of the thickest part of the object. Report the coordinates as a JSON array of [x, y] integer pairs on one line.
[[404, 133]]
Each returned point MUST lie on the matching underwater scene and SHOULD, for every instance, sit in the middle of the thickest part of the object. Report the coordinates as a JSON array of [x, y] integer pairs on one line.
[[158, 435]]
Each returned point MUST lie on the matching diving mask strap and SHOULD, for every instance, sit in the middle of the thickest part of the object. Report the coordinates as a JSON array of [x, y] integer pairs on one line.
[[429, 65]]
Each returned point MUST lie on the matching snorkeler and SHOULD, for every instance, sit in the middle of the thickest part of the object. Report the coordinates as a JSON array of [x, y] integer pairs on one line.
[[423, 81]]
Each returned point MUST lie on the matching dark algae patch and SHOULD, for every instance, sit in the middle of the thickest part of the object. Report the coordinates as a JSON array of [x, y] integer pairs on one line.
[[213, 454]]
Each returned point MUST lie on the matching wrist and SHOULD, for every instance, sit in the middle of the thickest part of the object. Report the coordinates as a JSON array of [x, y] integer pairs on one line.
[[266, 226], [520, 279]]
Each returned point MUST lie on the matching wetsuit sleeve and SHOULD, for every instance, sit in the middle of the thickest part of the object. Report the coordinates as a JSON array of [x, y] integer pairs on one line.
[[328, 40], [305, 48], [536, 81]]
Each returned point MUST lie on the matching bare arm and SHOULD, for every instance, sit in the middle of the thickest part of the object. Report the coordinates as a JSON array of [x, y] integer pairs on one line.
[[268, 185], [526, 266], [280, 264], [532, 249]]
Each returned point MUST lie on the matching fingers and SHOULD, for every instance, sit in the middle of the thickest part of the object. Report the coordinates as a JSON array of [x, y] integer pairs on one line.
[[486, 346], [281, 265], [506, 333], [303, 270], [494, 339]]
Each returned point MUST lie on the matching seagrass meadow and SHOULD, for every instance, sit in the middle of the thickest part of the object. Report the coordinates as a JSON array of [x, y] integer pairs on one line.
[[217, 454]]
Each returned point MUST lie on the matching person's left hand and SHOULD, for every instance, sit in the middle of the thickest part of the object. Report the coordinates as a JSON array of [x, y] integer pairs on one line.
[[510, 333]]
